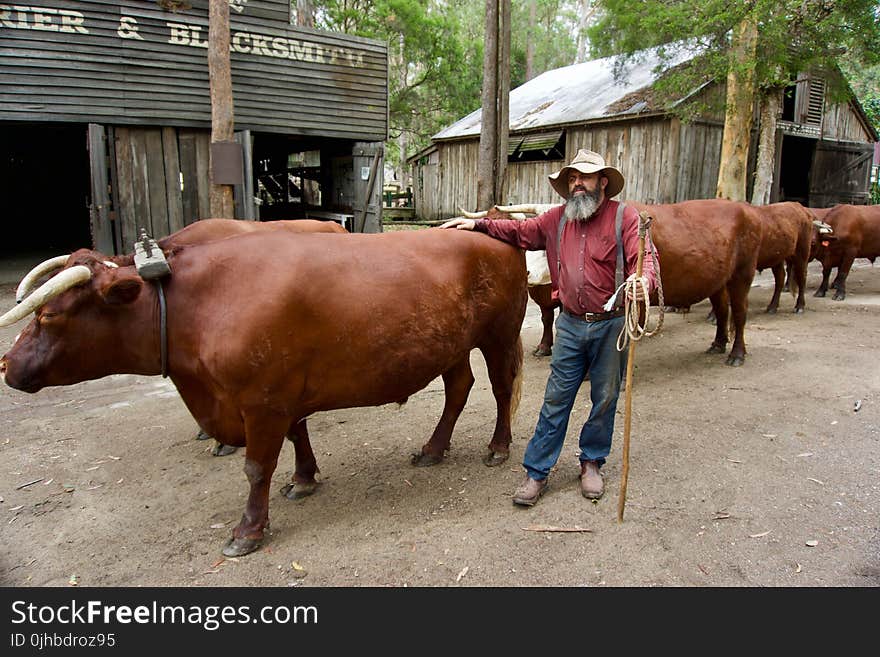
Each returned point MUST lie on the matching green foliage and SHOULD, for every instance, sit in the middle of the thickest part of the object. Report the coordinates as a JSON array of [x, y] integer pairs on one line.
[[794, 35], [435, 50]]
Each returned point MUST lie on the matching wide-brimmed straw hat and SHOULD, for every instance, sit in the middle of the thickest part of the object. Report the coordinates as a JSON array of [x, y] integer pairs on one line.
[[588, 162]]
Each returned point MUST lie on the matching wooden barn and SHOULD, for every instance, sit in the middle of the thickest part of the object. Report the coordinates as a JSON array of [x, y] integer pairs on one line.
[[823, 149], [105, 112]]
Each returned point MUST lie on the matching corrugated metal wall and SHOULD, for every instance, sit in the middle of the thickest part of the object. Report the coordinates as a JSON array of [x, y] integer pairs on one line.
[[132, 62]]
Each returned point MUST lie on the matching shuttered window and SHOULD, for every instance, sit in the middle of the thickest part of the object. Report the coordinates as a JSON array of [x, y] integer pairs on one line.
[[815, 102], [537, 146]]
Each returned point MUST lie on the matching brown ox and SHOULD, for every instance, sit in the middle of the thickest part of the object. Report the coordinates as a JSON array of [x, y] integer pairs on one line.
[[856, 235], [208, 230], [267, 328], [786, 238], [708, 249]]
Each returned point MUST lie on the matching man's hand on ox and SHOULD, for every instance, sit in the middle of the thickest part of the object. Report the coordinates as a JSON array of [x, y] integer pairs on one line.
[[460, 223]]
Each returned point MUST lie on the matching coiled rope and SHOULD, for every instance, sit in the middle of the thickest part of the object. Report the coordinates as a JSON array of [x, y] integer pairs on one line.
[[635, 325]]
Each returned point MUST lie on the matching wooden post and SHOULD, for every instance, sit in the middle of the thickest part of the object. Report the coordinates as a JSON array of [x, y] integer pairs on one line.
[[222, 115], [627, 414]]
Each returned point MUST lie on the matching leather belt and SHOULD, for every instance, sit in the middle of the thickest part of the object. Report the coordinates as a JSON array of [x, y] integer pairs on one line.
[[595, 317]]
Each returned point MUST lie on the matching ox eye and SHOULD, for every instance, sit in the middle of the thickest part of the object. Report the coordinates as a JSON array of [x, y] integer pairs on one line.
[[46, 317]]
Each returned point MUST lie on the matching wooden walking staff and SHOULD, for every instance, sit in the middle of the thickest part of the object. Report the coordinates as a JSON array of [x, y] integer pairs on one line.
[[644, 222]]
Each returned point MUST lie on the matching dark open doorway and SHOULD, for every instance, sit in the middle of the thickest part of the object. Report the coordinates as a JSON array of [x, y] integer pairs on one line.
[[794, 174], [44, 181]]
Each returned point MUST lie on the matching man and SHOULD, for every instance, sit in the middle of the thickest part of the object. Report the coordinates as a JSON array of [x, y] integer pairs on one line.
[[581, 243]]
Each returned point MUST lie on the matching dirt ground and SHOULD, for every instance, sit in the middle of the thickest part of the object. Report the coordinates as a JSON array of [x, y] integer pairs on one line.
[[764, 475]]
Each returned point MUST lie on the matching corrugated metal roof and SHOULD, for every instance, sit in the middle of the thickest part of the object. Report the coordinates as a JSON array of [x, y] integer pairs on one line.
[[581, 92]]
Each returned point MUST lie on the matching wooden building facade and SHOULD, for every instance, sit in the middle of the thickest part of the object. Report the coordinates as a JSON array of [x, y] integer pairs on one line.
[[105, 111], [823, 148]]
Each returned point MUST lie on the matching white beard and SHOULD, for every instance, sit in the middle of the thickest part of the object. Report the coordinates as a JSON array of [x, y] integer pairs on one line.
[[582, 206]]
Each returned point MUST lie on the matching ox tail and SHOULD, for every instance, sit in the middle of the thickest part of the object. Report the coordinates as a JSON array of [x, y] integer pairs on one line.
[[516, 391]]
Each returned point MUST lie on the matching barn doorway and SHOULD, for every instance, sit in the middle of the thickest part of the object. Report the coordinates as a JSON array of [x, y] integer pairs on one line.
[[45, 184], [44, 181], [794, 175]]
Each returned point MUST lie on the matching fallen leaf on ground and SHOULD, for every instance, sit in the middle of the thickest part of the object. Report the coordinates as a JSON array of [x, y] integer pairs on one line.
[[805, 454], [462, 573], [719, 515], [798, 569], [821, 483], [74, 580], [217, 563], [761, 534], [16, 508], [734, 461], [218, 525], [296, 566], [812, 543]]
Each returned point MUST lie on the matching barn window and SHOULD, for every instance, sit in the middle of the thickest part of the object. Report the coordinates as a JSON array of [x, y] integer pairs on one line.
[[804, 101], [536, 147], [815, 101]]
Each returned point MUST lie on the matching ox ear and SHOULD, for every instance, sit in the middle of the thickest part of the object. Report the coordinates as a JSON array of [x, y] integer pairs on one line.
[[121, 288]]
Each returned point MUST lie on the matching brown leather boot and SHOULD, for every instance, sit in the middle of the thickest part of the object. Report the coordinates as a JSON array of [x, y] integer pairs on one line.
[[529, 491], [592, 485]]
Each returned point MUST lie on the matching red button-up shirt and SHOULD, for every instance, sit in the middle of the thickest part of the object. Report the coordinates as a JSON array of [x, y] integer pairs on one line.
[[584, 276]]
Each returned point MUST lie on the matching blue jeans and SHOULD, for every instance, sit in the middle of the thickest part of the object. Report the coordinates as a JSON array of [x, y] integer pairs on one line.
[[579, 346]]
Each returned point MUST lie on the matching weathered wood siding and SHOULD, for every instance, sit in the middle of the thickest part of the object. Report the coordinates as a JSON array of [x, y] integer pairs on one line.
[[662, 159], [841, 122], [131, 62], [161, 178]]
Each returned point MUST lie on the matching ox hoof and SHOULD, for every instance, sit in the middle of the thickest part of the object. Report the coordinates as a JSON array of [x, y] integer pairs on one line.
[[715, 349], [838, 297], [421, 460], [201, 435], [495, 458], [771, 311], [798, 311], [541, 351], [819, 293], [238, 547], [735, 361], [297, 490], [223, 450]]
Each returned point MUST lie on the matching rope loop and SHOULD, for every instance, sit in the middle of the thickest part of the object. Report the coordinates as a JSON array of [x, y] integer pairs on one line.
[[635, 327]]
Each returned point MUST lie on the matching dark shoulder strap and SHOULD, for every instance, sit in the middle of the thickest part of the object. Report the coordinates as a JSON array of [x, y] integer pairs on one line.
[[621, 261], [559, 228]]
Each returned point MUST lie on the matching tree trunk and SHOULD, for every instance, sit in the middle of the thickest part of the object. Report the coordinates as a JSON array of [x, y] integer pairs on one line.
[[530, 41], [489, 121], [771, 101], [305, 13], [222, 116], [503, 123], [738, 116], [585, 15]]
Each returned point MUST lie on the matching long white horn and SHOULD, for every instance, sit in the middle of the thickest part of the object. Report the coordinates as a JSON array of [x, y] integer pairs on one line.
[[40, 270], [48, 290], [533, 208], [823, 227], [473, 215]]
